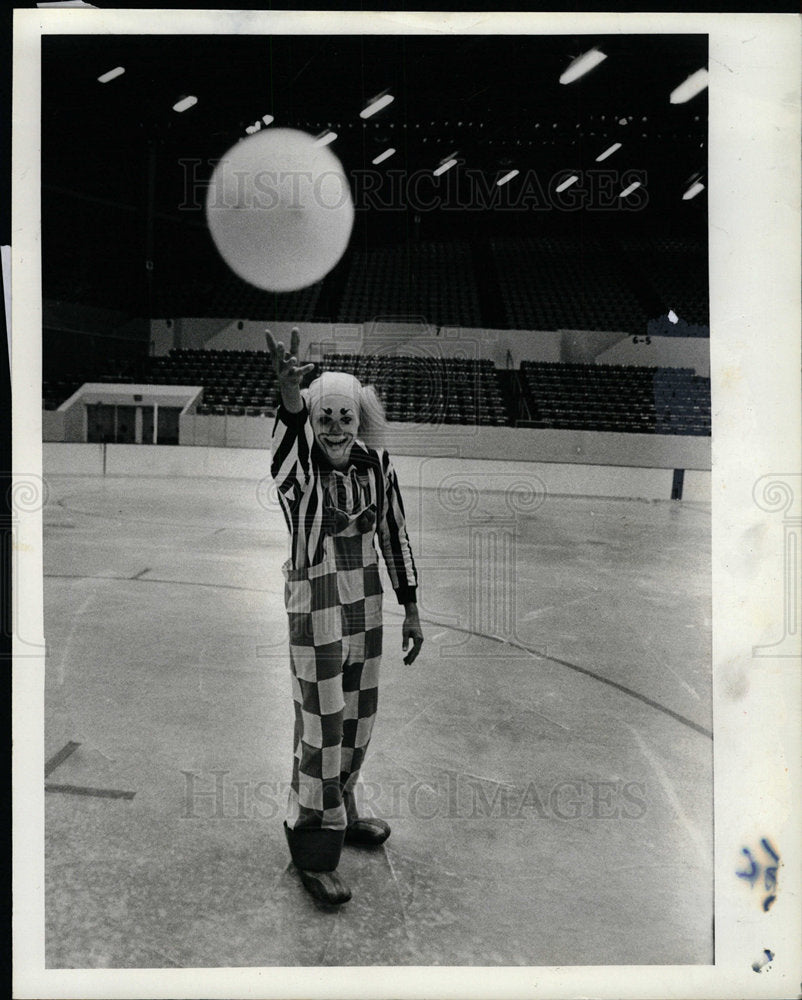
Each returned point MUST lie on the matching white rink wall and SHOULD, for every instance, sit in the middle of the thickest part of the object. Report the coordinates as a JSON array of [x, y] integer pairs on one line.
[[521, 444], [425, 472]]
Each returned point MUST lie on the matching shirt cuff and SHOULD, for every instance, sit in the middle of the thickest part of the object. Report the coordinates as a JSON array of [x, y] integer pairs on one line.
[[406, 595]]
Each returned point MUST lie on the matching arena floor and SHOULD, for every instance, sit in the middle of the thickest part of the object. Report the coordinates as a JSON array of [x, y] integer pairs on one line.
[[546, 764]]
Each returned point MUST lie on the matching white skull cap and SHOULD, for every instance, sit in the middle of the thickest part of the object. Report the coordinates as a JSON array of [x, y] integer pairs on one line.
[[335, 390]]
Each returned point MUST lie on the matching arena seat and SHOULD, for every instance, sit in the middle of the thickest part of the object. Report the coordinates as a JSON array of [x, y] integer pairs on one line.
[[565, 283], [637, 399], [432, 280], [429, 390], [616, 397], [676, 269], [232, 379]]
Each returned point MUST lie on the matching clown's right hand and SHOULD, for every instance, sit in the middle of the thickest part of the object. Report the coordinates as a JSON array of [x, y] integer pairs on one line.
[[285, 362], [288, 371]]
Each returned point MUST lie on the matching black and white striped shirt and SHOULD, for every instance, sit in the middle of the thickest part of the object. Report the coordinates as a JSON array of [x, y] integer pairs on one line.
[[301, 472]]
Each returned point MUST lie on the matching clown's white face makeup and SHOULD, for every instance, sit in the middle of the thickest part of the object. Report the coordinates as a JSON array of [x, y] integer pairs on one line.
[[335, 428]]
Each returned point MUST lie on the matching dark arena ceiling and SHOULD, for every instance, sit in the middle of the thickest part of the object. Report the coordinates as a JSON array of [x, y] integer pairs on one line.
[[123, 174]]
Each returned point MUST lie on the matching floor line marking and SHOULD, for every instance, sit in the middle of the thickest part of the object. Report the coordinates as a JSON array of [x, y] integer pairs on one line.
[[76, 622], [671, 795], [667, 666], [100, 793], [60, 757], [553, 722], [429, 621], [396, 884], [163, 524], [558, 607], [492, 781], [424, 783], [153, 579], [421, 863], [671, 670], [418, 715], [333, 934], [575, 667], [438, 636]]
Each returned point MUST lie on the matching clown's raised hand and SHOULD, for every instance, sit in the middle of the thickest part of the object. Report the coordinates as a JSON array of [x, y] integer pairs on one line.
[[286, 362], [288, 371]]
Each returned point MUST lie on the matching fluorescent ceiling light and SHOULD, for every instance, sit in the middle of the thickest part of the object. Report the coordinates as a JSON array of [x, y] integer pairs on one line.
[[375, 106], [608, 152], [111, 75], [507, 177], [696, 188], [447, 165], [582, 64], [325, 138], [384, 156], [185, 103], [694, 85], [628, 190], [567, 183]]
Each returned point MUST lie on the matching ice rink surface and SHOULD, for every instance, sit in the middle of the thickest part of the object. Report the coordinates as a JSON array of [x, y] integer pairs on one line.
[[545, 764]]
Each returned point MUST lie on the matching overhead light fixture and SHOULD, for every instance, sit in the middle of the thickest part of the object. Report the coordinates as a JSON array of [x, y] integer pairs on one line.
[[111, 75], [672, 316], [383, 156], [185, 103], [325, 138], [376, 104], [506, 178], [687, 90], [608, 152], [583, 64], [628, 190], [696, 188], [567, 183], [443, 167]]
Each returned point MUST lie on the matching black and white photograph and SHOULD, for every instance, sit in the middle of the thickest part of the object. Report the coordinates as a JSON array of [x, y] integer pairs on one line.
[[405, 562]]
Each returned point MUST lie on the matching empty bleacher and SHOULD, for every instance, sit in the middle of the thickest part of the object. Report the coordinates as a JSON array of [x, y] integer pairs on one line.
[[429, 389], [628, 399], [229, 296], [237, 383], [434, 281], [676, 271], [58, 385], [57, 389], [550, 283]]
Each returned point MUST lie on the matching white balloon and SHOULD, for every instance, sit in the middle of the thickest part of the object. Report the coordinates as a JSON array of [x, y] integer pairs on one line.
[[279, 209]]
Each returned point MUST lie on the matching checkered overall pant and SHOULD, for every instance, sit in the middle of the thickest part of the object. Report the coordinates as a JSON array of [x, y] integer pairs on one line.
[[335, 624]]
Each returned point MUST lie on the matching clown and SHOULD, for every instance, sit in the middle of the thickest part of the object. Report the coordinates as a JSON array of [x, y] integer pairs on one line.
[[339, 497]]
